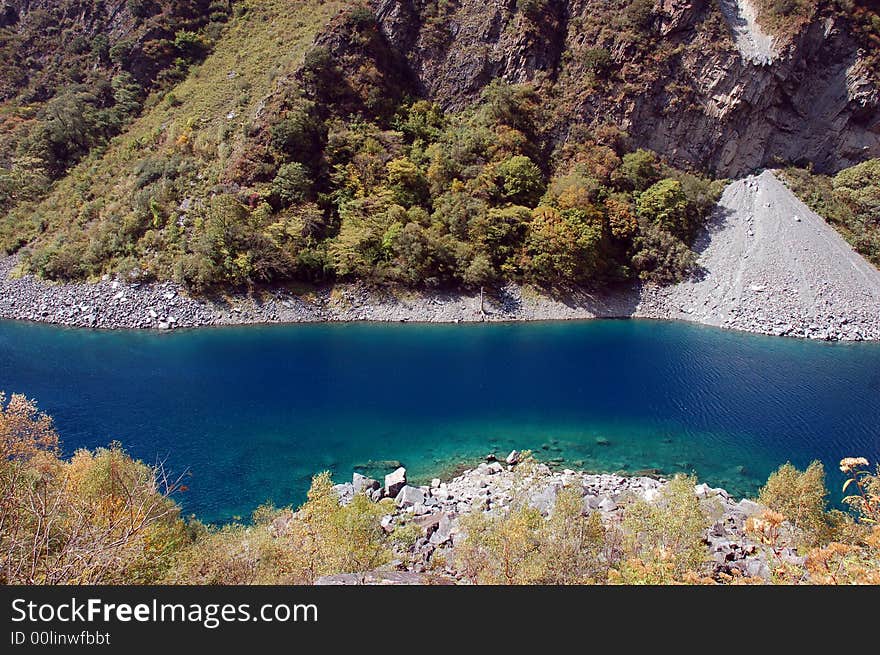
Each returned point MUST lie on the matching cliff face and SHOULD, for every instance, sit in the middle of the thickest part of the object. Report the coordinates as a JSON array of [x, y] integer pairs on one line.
[[671, 75]]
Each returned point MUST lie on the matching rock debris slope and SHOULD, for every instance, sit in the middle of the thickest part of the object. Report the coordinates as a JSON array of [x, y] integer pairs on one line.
[[771, 265], [753, 43]]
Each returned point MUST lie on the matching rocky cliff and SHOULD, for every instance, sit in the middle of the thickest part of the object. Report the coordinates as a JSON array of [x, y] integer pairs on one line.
[[673, 75]]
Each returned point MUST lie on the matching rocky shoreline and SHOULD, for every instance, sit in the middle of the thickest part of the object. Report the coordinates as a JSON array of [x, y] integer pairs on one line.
[[115, 305], [492, 486], [767, 265]]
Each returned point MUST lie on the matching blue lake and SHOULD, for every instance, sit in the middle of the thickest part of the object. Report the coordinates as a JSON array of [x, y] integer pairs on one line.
[[251, 413]]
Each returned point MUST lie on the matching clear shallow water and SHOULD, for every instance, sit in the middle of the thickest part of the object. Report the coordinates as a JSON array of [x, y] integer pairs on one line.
[[253, 412]]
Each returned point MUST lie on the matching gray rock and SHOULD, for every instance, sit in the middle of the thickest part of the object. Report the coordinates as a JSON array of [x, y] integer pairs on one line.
[[345, 492], [702, 490], [429, 522], [383, 578], [748, 507], [362, 483], [409, 496], [394, 482], [607, 505], [494, 467], [755, 568], [443, 532], [545, 499]]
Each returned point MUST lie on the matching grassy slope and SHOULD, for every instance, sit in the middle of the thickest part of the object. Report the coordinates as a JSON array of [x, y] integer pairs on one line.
[[260, 46]]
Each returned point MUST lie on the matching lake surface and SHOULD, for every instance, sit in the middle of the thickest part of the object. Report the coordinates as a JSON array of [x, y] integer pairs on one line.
[[253, 412]]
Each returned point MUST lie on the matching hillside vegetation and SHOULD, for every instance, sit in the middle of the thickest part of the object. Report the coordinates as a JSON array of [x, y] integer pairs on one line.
[[103, 518], [232, 144], [257, 169], [74, 73]]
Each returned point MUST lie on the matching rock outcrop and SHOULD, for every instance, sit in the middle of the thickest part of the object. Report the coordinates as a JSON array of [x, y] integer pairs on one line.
[[706, 92], [492, 488]]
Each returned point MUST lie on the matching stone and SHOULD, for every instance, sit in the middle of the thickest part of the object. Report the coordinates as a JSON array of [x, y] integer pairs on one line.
[[443, 532], [435, 483], [513, 457], [545, 499], [749, 507], [702, 490], [607, 505], [361, 483], [756, 568], [429, 522], [409, 496], [395, 481], [651, 494], [384, 578], [345, 492]]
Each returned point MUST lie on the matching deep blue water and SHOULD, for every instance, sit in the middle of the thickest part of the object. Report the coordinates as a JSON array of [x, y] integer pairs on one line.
[[253, 412]]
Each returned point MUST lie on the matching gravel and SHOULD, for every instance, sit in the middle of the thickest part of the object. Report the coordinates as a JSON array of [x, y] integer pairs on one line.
[[771, 265], [755, 45]]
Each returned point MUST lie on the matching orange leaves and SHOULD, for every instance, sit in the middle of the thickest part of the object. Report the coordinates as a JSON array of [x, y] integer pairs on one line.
[[24, 431], [866, 499], [766, 526]]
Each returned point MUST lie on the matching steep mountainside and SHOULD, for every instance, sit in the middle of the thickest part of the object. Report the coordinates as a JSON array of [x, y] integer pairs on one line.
[[73, 73], [415, 142], [671, 75]]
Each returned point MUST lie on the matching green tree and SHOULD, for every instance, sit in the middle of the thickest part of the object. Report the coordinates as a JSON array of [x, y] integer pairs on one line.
[[562, 247], [664, 539], [522, 182], [859, 188], [500, 233], [637, 171], [666, 205], [407, 182], [300, 136], [660, 256], [573, 545], [293, 184], [801, 497]]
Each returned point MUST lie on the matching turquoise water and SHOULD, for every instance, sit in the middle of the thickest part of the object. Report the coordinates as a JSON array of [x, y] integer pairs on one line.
[[251, 413]]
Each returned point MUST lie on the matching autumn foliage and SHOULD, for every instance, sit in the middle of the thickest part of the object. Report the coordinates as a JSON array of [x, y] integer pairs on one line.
[[101, 517]]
